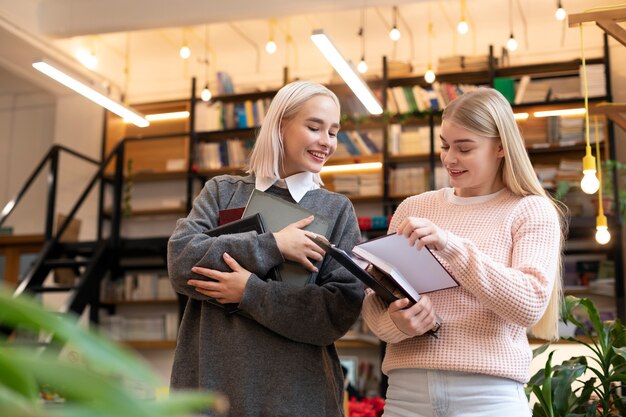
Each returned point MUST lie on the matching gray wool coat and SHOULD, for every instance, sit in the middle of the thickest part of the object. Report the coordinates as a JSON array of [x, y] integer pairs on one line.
[[278, 358]]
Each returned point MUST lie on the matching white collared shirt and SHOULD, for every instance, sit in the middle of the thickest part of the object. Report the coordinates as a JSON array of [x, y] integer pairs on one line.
[[297, 184]]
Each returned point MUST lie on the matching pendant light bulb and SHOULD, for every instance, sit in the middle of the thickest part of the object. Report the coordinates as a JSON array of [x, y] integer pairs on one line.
[[184, 52], [362, 66], [462, 27], [603, 236], [429, 76], [590, 183], [206, 95], [395, 34], [560, 13], [270, 47], [511, 44]]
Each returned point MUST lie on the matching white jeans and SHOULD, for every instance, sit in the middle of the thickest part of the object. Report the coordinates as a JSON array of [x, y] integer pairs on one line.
[[432, 393]]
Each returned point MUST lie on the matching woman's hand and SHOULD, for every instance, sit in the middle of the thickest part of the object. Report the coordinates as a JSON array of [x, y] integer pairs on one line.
[[424, 232], [228, 287], [294, 244], [413, 320]]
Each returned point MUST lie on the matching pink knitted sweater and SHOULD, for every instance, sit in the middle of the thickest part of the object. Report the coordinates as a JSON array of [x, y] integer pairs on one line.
[[503, 252]]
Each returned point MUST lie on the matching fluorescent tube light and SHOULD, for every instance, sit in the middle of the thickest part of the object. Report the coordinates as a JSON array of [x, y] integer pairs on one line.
[[351, 167], [88, 92], [168, 116], [520, 116], [346, 71], [562, 112]]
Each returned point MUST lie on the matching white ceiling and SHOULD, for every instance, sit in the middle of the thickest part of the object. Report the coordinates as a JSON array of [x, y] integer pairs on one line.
[[143, 37]]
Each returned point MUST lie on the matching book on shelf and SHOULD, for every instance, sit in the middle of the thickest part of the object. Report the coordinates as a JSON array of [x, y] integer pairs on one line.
[[276, 213]]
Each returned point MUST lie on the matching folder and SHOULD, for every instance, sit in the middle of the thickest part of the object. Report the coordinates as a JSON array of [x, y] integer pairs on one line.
[[245, 224], [277, 213]]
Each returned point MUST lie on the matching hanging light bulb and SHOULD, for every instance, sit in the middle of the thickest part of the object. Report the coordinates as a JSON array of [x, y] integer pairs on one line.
[[184, 52], [589, 184], [206, 95], [511, 44], [462, 27], [270, 47], [603, 236], [362, 66], [560, 13], [394, 33], [429, 76]]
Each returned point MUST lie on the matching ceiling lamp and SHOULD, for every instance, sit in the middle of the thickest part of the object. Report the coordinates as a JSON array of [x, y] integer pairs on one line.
[[560, 14], [511, 44], [270, 46], [462, 27], [346, 71], [394, 33], [56, 74]]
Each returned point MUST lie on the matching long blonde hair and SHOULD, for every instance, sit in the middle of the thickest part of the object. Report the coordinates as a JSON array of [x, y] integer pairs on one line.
[[487, 113], [269, 150]]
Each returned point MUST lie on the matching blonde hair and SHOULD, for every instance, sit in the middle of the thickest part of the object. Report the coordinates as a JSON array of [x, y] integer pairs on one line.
[[487, 113], [269, 150]]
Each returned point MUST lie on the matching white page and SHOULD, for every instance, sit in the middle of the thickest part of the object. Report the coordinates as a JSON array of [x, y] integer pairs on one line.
[[420, 268]]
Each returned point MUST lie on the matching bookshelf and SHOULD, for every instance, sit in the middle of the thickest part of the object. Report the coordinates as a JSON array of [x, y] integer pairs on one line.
[[415, 162]]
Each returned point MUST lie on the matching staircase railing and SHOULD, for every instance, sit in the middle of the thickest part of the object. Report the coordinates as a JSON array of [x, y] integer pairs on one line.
[[51, 157]]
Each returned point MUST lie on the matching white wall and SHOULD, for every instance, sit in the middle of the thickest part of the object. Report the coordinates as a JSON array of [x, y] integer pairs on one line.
[[27, 130]]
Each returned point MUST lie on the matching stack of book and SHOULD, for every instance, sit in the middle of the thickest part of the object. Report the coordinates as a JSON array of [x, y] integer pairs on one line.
[[596, 81]]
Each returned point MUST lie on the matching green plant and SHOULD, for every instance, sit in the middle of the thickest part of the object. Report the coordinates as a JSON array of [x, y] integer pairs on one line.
[[105, 381], [595, 395]]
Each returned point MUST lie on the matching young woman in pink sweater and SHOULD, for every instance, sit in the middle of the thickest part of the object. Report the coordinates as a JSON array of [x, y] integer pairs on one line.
[[500, 235]]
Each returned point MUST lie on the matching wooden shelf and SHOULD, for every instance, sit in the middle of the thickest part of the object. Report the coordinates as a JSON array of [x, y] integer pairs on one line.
[[358, 340], [354, 159]]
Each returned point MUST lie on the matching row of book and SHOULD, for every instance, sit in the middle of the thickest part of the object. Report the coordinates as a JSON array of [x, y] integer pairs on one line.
[[412, 140], [136, 286], [141, 328], [559, 130], [217, 115], [528, 90], [228, 153], [359, 142], [568, 170], [361, 184], [458, 63], [417, 99]]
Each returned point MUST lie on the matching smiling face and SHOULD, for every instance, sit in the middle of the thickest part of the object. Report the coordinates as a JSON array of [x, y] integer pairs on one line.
[[472, 161], [310, 137]]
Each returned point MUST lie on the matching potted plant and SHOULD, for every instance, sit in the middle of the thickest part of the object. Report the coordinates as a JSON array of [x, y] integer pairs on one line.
[[99, 378], [595, 395]]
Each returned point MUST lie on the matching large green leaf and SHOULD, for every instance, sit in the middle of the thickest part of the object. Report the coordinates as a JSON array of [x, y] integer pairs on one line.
[[101, 353], [17, 379]]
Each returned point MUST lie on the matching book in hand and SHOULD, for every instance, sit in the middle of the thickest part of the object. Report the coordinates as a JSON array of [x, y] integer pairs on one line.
[[418, 269], [389, 287], [277, 213], [243, 225]]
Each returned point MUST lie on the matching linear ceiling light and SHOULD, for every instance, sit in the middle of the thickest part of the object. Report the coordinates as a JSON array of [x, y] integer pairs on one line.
[[366, 166], [88, 92], [346, 71], [561, 112]]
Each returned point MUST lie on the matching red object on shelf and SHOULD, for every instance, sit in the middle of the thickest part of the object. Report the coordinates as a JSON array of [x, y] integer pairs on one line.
[[365, 223]]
